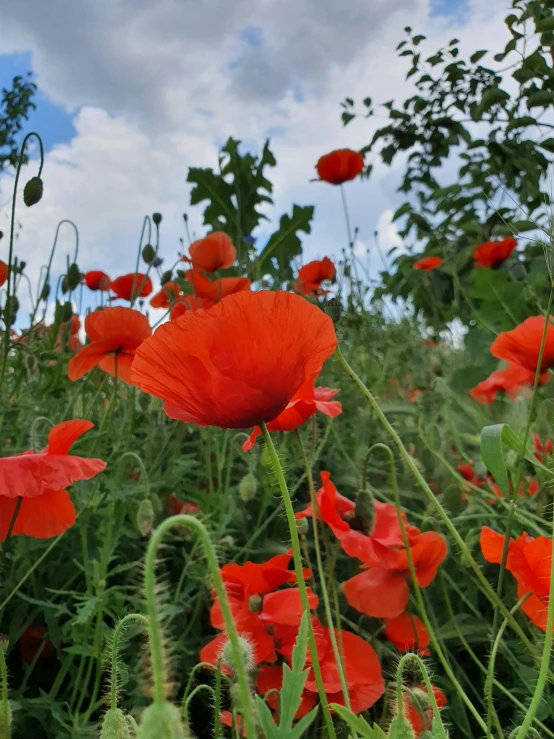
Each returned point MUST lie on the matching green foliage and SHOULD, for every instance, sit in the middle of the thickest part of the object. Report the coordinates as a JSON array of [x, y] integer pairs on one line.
[[16, 104]]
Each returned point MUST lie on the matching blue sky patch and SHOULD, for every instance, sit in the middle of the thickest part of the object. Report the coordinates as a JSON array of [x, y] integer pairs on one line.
[[457, 10], [252, 35]]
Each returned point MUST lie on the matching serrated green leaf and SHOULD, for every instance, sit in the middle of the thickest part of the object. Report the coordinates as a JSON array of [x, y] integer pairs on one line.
[[357, 724], [284, 245], [294, 679]]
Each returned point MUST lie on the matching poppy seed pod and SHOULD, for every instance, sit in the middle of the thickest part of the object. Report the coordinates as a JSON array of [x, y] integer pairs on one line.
[[161, 721], [248, 487], [365, 511], [157, 218], [33, 191], [149, 254], [114, 725]]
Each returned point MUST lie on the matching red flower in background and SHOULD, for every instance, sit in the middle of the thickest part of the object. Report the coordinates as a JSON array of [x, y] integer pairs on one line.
[[3, 272], [185, 303], [408, 633], [175, 506], [238, 363], [166, 296], [215, 251], [31, 641], [97, 280], [213, 292], [469, 474], [428, 264], [511, 380], [311, 275], [307, 401], [340, 165], [492, 253], [132, 285], [420, 713], [115, 334], [522, 344], [39, 480], [542, 450], [530, 562]]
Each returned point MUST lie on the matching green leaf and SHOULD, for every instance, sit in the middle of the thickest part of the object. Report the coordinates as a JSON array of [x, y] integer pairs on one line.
[[492, 452], [405, 208], [548, 144], [542, 98], [357, 724], [285, 244], [546, 24], [474, 58], [525, 120], [82, 650]]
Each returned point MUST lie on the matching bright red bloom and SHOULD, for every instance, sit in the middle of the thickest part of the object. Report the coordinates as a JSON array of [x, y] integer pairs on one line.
[[408, 633], [542, 450], [238, 363], [469, 474], [522, 344], [492, 253], [428, 264], [188, 302], [311, 275], [215, 251], [3, 272], [382, 590], [340, 166], [97, 280], [40, 479], [134, 284], [523, 492], [421, 716], [166, 296], [115, 334], [510, 380], [307, 401], [530, 562], [215, 291]]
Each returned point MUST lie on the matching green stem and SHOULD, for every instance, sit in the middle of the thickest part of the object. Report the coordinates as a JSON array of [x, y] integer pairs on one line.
[[131, 618], [156, 642], [436, 712], [4, 704], [298, 567]]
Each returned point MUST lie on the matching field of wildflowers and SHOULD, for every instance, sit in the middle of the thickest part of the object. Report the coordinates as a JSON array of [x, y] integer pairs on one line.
[[301, 502]]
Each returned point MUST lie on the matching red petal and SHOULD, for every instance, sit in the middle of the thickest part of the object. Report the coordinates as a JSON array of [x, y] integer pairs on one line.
[[378, 593]]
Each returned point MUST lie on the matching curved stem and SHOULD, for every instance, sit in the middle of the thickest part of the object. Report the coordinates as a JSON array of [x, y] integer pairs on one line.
[[156, 643], [298, 567], [146, 222], [143, 473], [410, 657], [131, 618]]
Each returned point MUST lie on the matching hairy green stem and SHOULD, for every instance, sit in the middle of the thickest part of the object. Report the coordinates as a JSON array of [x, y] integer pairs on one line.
[[130, 618], [414, 658]]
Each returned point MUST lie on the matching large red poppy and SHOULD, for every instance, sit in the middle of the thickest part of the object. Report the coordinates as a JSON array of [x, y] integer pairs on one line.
[[530, 562], [166, 296], [215, 251], [97, 280], [238, 363], [522, 344], [115, 334], [511, 380], [492, 253], [215, 291], [132, 285], [420, 713], [408, 633], [307, 401], [340, 166], [428, 264], [40, 479]]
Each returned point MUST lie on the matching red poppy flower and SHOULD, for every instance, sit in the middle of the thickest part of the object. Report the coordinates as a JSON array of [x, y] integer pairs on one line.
[[340, 166], [166, 296], [215, 291], [408, 633], [188, 302], [3, 272], [40, 479], [311, 275], [97, 280], [469, 474], [492, 253], [31, 641], [530, 562], [115, 334], [428, 264], [511, 380], [524, 491], [522, 344], [420, 713], [542, 450], [307, 401], [238, 363], [134, 284], [175, 506], [215, 251]]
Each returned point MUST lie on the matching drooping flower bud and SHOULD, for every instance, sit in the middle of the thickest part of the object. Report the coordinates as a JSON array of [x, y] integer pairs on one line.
[[45, 292], [149, 253], [145, 516], [246, 655], [33, 191], [161, 721], [74, 277], [302, 526], [401, 728], [333, 308], [114, 725], [364, 511], [166, 277], [248, 487], [10, 310]]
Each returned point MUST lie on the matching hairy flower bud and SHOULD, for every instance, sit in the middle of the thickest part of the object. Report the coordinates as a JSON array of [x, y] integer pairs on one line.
[[302, 526], [248, 487], [401, 728], [246, 654], [33, 191], [145, 516], [365, 511], [10, 310], [114, 725], [161, 721]]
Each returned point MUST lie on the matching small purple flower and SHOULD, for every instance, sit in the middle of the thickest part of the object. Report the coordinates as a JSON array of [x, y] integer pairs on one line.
[[248, 240], [158, 261]]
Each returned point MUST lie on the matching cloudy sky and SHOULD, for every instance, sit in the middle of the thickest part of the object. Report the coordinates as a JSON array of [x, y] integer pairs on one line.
[[133, 92]]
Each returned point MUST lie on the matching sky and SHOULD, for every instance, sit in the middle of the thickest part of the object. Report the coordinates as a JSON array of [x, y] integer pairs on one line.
[[133, 92]]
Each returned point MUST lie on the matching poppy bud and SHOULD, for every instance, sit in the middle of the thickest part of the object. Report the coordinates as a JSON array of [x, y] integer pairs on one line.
[[67, 312], [10, 310], [166, 277], [255, 603], [33, 191], [64, 284], [246, 654], [302, 526], [145, 516], [365, 511], [401, 728], [157, 218], [333, 308], [161, 720], [248, 487], [45, 292], [1, 234], [74, 277], [30, 361], [4, 643], [114, 725], [149, 254], [181, 274], [518, 272]]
